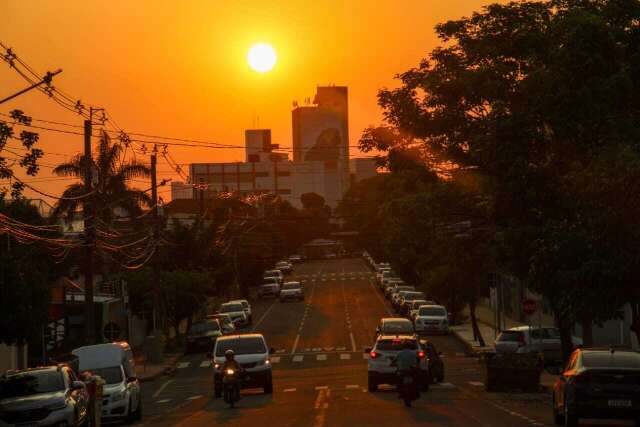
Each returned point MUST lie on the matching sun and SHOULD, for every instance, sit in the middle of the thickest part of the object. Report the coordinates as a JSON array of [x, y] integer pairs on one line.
[[261, 57]]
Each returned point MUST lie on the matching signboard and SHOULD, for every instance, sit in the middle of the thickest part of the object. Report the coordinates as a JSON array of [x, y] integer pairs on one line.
[[529, 306]]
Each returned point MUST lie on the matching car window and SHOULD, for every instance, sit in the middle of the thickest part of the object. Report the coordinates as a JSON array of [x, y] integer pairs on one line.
[[538, 334], [202, 327], [432, 311], [112, 375], [395, 345], [397, 327], [552, 333], [269, 281], [230, 308], [606, 359], [30, 383], [241, 346], [510, 336], [291, 286], [245, 304], [413, 295]]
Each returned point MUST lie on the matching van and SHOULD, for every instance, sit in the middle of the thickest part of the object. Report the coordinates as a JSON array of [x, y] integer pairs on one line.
[[114, 363]]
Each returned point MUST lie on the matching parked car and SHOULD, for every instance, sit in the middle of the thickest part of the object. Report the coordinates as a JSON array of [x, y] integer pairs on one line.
[[380, 366], [598, 383], [252, 353], [396, 286], [270, 288], [534, 339], [277, 274], [384, 274], [225, 322], [203, 335], [404, 303], [236, 311], [247, 309], [295, 258], [394, 326], [415, 306], [122, 396], [285, 266], [49, 396], [291, 291], [432, 319], [400, 292]]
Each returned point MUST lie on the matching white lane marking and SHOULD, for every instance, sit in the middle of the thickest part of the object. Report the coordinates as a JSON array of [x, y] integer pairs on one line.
[[446, 385], [345, 356], [161, 389], [164, 401], [317, 349], [353, 342], [255, 326], [341, 348], [365, 356], [298, 358], [352, 387], [476, 383], [295, 343], [194, 397], [289, 390], [205, 363], [321, 357], [182, 365], [274, 359], [321, 387]]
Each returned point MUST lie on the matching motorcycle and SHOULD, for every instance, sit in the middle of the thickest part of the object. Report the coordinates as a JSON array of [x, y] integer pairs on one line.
[[231, 386], [407, 387]]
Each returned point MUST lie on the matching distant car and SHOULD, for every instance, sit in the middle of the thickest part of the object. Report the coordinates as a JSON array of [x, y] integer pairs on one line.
[[395, 326], [399, 293], [203, 335], [236, 311], [432, 319], [404, 302], [295, 258], [522, 339], [395, 287], [270, 288], [598, 383], [415, 306], [252, 353], [277, 274], [285, 266], [291, 291], [331, 255], [225, 322], [50, 396], [381, 368], [247, 309]]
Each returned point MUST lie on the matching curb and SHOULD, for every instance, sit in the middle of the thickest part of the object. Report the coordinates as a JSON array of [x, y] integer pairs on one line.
[[468, 346], [169, 369]]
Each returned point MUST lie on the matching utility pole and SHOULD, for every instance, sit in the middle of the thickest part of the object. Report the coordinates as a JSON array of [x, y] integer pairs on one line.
[[89, 236], [155, 278]]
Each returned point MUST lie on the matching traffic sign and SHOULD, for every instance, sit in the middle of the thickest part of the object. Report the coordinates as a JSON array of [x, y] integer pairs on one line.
[[529, 306]]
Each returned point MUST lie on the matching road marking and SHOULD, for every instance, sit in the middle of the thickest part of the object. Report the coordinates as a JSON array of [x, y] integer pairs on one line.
[[295, 344], [289, 390], [281, 351], [161, 389], [352, 387], [317, 349], [321, 387], [365, 356], [476, 383], [182, 365], [345, 356], [353, 342], [274, 359], [205, 363], [298, 358], [164, 401], [307, 350], [446, 385], [263, 316], [321, 357], [194, 397]]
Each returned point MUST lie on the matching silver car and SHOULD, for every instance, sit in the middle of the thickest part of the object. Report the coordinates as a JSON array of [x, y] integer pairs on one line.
[[381, 368], [534, 339]]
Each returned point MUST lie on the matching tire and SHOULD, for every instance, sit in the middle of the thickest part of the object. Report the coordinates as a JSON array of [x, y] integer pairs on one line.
[[570, 420], [268, 387], [372, 384]]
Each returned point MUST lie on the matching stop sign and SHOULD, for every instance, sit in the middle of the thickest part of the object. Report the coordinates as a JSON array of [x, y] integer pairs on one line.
[[529, 306]]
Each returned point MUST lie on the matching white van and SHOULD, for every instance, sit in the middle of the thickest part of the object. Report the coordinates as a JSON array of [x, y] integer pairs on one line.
[[114, 363]]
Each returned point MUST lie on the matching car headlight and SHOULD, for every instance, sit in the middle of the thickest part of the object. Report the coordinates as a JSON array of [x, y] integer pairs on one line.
[[57, 406], [263, 362], [118, 395]]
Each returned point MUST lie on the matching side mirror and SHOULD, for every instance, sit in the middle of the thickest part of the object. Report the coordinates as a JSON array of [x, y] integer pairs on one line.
[[131, 380], [77, 385], [367, 350]]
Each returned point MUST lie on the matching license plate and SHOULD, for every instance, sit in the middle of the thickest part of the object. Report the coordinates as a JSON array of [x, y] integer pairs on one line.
[[620, 403]]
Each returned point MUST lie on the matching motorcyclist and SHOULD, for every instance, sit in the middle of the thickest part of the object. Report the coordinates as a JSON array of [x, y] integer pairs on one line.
[[230, 362], [408, 363]]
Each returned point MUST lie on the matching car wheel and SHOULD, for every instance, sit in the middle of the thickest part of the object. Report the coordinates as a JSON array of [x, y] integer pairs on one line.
[[558, 418], [570, 420], [268, 387], [372, 384]]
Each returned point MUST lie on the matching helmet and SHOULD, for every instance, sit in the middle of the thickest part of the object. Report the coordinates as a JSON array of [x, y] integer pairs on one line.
[[229, 354]]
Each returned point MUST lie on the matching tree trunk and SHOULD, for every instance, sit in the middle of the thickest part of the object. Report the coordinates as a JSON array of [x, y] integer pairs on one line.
[[587, 330], [564, 326], [477, 335]]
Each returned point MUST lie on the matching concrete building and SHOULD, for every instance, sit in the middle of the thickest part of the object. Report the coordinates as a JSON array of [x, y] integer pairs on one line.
[[180, 190], [363, 168]]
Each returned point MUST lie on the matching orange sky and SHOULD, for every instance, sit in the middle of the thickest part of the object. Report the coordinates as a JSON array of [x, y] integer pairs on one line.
[[179, 68]]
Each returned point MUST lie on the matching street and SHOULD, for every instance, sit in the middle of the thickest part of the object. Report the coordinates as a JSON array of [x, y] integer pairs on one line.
[[320, 372]]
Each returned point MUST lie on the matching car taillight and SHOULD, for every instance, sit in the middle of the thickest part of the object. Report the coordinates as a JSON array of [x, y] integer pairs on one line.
[[421, 354], [373, 354]]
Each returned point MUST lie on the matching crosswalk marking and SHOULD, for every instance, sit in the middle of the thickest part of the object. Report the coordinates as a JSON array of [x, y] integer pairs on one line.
[[289, 390], [163, 401], [321, 357], [352, 387], [274, 359], [205, 364], [444, 385], [182, 365], [476, 383], [345, 356], [298, 358]]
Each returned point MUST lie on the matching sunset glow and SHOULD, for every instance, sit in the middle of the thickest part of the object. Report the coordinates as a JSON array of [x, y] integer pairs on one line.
[[261, 57]]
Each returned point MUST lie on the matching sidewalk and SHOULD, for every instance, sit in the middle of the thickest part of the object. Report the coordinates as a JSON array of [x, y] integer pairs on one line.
[[151, 371], [485, 318]]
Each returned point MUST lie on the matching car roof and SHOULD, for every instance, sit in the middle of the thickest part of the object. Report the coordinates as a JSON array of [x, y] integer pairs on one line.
[[240, 337], [37, 369], [433, 305], [608, 350], [239, 301], [395, 319]]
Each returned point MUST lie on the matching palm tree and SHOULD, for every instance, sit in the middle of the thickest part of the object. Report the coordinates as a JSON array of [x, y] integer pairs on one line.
[[111, 177]]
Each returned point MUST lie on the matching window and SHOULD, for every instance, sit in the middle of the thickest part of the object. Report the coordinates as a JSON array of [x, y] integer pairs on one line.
[[112, 375], [284, 191], [432, 311], [230, 308], [30, 383], [202, 327], [395, 345], [241, 346], [606, 359], [538, 334], [398, 328], [511, 336]]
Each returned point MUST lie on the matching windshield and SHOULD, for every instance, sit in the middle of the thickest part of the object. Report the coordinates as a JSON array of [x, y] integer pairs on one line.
[[433, 311], [29, 383], [291, 286], [404, 288], [413, 295], [272, 273], [395, 345], [111, 375], [269, 281], [604, 359], [230, 308], [202, 327], [241, 346], [396, 328], [511, 336]]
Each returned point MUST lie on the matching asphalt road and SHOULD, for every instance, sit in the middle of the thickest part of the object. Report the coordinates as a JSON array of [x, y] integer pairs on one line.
[[320, 374]]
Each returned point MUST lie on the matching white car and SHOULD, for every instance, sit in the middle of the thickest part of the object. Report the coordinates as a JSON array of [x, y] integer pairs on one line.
[[270, 288], [277, 274], [432, 319], [252, 353], [415, 306], [381, 368], [523, 339], [291, 290], [285, 266], [236, 311], [247, 308]]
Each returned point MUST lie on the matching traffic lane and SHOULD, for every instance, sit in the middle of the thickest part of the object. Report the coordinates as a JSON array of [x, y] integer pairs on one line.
[[365, 309], [281, 323]]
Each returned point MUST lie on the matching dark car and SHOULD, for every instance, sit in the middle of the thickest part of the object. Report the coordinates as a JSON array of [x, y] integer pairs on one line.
[[598, 383], [50, 396], [203, 335], [436, 365]]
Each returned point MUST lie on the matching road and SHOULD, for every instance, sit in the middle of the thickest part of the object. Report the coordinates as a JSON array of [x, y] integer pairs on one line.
[[320, 374]]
